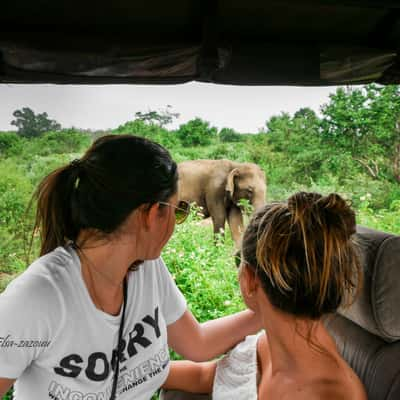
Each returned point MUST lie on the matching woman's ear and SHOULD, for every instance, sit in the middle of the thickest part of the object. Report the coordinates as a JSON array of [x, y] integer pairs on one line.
[[249, 285], [149, 214], [250, 279]]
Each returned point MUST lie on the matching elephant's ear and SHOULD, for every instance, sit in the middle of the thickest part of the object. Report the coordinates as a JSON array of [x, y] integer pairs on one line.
[[230, 181]]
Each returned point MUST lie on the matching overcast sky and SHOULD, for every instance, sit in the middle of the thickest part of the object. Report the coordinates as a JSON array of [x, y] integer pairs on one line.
[[244, 108]]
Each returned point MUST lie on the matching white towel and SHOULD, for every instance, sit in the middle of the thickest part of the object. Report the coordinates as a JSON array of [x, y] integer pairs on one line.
[[236, 374]]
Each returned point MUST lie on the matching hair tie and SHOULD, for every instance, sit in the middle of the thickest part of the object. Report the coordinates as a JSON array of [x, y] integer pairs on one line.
[[77, 163]]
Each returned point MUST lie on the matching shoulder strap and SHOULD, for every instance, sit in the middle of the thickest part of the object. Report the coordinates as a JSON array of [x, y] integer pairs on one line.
[[121, 330]]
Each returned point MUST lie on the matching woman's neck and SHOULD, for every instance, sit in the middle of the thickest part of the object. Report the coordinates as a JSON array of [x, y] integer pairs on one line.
[[104, 267], [296, 345]]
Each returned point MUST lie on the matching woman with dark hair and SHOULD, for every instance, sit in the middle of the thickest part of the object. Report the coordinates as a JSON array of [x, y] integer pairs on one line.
[[92, 318], [298, 264]]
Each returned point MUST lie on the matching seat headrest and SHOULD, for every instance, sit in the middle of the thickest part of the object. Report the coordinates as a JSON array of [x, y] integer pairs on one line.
[[377, 307]]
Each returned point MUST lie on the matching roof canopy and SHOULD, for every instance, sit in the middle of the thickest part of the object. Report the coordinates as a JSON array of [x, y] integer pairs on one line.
[[252, 42]]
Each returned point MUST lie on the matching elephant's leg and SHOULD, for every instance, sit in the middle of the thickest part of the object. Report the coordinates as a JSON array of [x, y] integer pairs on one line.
[[218, 216], [235, 221]]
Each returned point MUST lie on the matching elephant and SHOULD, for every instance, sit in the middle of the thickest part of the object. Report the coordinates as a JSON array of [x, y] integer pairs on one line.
[[217, 186]]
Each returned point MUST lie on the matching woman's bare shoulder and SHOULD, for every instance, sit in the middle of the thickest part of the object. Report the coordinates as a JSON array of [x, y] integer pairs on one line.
[[343, 385], [326, 392], [319, 389], [335, 389]]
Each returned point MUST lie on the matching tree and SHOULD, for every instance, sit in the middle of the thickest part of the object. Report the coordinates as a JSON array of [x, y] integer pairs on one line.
[[229, 135], [31, 125], [196, 132], [298, 140], [10, 144], [365, 122], [160, 118], [151, 131], [307, 118], [279, 130]]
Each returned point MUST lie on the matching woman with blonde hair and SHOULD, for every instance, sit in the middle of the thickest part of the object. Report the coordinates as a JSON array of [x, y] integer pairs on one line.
[[298, 264]]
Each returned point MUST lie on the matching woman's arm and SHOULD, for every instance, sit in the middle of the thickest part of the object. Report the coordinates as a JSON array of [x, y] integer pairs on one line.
[[191, 377], [5, 384], [202, 342]]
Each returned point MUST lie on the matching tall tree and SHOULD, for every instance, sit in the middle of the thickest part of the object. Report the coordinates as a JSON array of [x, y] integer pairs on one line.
[[196, 132], [364, 122], [298, 140], [30, 124], [160, 118], [229, 135]]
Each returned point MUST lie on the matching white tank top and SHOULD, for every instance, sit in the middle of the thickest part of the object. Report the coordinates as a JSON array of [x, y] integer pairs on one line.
[[236, 376]]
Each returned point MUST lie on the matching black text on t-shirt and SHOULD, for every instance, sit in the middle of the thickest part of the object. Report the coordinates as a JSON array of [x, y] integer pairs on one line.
[[73, 364]]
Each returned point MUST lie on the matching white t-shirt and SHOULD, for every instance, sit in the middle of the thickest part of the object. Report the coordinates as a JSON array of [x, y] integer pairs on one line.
[[60, 346]]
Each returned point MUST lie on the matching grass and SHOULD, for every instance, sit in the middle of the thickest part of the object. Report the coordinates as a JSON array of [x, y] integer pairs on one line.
[[204, 270]]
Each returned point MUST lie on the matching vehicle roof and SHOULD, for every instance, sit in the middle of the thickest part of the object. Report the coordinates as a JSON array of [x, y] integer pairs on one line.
[[252, 42]]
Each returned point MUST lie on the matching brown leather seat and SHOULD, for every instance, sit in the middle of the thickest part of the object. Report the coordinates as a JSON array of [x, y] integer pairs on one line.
[[367, 333]]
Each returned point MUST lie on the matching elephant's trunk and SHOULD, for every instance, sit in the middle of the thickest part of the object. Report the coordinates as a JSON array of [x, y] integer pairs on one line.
[[258, 202]]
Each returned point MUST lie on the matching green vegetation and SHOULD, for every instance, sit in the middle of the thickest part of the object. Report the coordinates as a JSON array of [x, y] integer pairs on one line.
[[196, 133], [204, 270], [353, 148], [8, 396]]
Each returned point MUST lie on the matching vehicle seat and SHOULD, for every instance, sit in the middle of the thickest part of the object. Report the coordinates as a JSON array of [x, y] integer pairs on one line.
[[368, 333]]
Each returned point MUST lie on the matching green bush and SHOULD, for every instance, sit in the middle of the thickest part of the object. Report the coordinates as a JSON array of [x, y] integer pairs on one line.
[[229, 135], [150, 131], [50, 144], [387, 220], [15, 223], [40, 166], [196, 133], [204, 270], [190, 153], [8, 395], [10, 144], [61, 142]]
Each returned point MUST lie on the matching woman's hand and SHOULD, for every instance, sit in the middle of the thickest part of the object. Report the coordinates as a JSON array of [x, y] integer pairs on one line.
[[191, 377], [203, 342]]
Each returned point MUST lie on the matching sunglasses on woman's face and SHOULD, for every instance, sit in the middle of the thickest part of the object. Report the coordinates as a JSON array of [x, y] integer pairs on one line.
[[182, 210]]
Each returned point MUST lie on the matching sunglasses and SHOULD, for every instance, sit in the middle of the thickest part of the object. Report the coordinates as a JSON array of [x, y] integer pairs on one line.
[[182, 210]]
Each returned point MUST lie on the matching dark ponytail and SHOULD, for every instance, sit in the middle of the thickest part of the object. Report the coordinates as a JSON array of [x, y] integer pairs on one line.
[[53, 215], [116, 175]]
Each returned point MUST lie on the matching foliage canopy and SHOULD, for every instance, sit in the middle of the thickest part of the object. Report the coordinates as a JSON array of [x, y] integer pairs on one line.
[[30, 124], [196, 132]]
